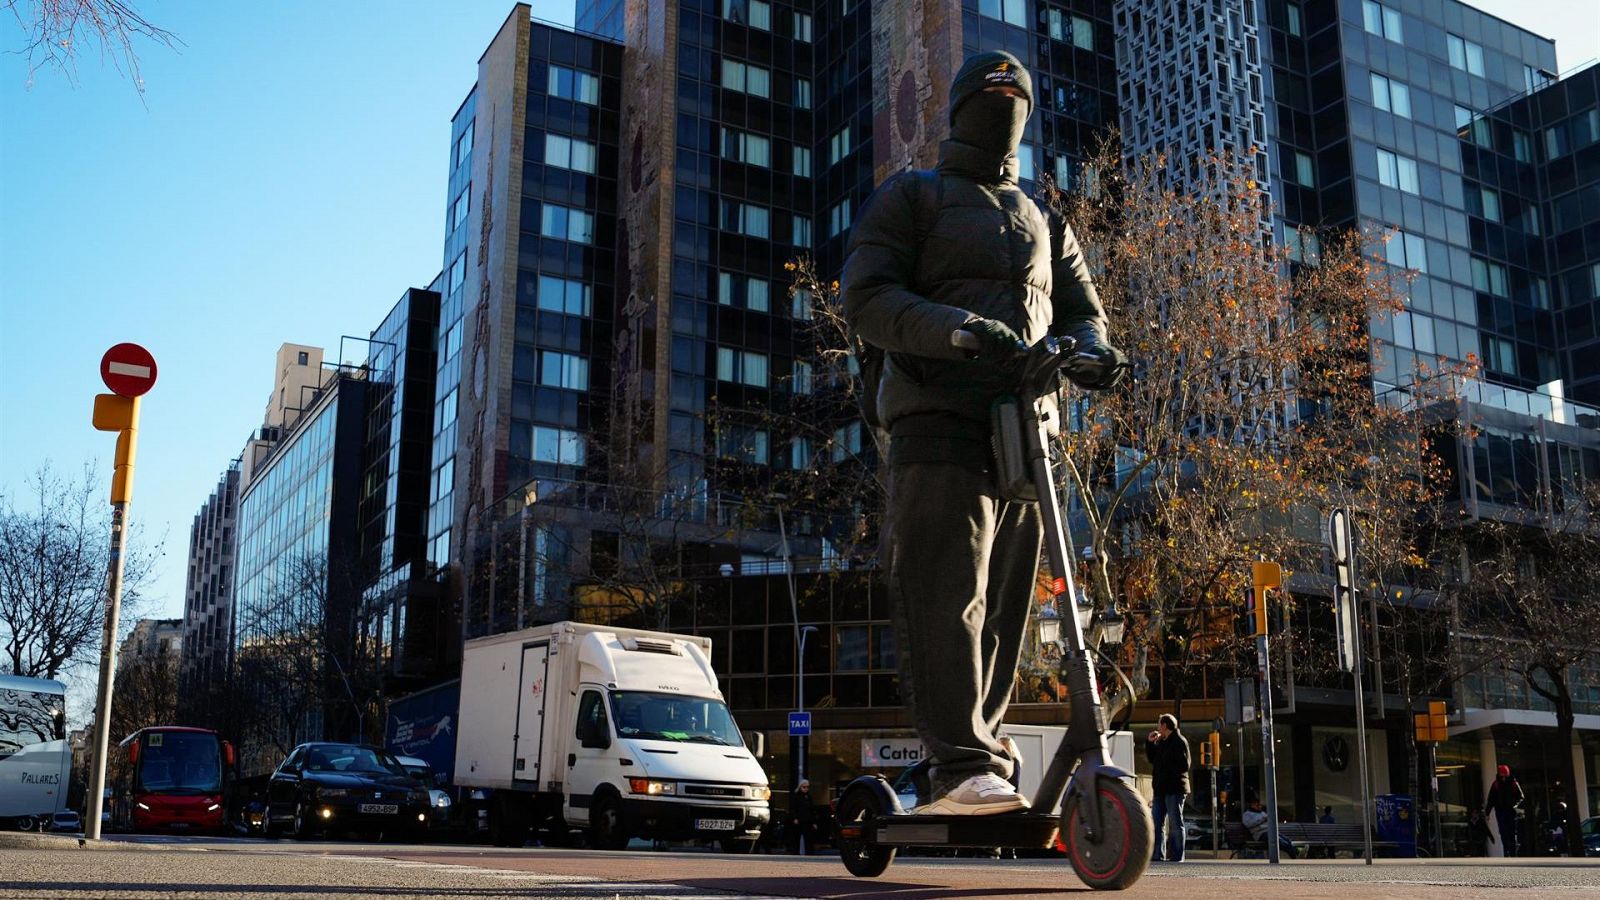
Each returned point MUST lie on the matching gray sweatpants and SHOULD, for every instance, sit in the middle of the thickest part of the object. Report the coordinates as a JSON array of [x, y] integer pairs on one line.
[[962, 564]]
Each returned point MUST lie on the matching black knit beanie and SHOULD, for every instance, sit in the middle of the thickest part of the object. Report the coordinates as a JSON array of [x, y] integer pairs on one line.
[[990, 68]]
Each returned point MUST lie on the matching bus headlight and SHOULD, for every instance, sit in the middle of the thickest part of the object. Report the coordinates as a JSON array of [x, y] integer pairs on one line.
[[141, 805], [213, 807]]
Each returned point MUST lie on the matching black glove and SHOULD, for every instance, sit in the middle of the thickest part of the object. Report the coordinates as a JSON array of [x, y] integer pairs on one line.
[[1096, 365], [999, 344]]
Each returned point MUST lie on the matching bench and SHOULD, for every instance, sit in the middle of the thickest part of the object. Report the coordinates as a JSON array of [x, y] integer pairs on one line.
[[1304, 837]]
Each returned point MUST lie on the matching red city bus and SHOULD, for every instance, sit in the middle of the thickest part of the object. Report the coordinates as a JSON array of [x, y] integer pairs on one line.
[[169, 778]]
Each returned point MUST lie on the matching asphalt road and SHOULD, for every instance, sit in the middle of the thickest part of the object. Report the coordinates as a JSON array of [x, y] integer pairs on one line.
[[32, 866]]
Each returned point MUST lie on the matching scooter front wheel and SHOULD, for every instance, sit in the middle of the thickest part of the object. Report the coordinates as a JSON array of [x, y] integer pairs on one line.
[[1116, 857], [863, 859]]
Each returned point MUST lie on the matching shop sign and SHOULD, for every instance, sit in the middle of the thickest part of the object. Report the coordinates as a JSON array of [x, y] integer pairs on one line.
[[890, 753]]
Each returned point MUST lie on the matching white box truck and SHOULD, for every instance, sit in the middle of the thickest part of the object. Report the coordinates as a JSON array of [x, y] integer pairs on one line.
[[620, 732]]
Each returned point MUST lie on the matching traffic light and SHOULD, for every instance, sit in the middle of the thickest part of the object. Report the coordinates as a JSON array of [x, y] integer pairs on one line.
[[1264, 576], [1433, 726], [1214, 741], [1205, 755], [113, 412]]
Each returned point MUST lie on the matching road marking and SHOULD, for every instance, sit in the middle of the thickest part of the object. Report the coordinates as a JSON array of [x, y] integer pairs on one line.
[[122, 368], [584, 882]]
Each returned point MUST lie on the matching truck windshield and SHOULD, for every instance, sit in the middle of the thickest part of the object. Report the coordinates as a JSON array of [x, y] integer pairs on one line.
[[668, 717]]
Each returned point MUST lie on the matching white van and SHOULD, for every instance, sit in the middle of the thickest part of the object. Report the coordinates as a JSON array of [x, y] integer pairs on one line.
[[620, 732]]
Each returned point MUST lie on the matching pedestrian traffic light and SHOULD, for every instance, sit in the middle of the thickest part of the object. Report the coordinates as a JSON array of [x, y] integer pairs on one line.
[[1205, 755], [1214, 741], [1264, 576]]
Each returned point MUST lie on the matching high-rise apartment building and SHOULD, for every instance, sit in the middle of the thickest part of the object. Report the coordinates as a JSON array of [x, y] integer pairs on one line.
[[208, 599]]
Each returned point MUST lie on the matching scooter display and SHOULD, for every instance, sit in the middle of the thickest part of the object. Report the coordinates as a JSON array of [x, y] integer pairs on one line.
[[1104, 823]]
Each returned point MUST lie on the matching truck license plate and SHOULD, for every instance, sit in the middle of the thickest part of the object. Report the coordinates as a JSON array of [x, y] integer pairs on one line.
[[715, 824], [387, 809]]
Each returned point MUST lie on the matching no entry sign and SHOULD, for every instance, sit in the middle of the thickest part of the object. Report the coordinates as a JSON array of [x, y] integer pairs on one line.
[[128, 370]]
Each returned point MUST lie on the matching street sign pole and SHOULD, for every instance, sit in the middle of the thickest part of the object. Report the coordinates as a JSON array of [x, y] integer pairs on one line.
[[129, 371], [1347, 628]]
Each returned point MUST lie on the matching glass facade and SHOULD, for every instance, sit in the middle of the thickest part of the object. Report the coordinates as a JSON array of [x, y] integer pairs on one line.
[[447, 347]]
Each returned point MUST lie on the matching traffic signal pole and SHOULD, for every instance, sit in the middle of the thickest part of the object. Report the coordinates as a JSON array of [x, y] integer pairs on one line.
[[1267, 576]]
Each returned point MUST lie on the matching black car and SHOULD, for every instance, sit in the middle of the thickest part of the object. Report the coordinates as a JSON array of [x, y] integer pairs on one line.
[[326, 787]]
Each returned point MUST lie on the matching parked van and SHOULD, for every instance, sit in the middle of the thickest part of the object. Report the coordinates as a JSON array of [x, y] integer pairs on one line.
[[620, 732]]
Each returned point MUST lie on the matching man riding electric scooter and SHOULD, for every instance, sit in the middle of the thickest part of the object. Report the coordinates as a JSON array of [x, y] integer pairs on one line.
[[960, 279]]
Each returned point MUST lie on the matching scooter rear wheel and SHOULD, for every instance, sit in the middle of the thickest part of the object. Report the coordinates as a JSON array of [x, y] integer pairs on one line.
[[864, 860], [1122, 853]]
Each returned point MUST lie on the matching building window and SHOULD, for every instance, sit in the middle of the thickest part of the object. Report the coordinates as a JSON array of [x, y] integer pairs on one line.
[[1027, 162], [802, 93], [745, 445], [752, 149], [1463, 117], [839, 145], [800, 454], [801, 162], [1407, 251], [748, 293], [567, 224], [458, 210], [1489, 204], [458, 272], [569, 153], [745, 218], [558, 446], [1499, 354], [574, 298], [749, 79], [846, 442], [741, 367], [801, 384], [1489, 277], [574, 85], [800, 305], [1070, 29], [1296, 23], [1011, 12], [1555, 142], [1380, 20], [1414, 331], [839, 218], [1397, 171], [1391, 96], [802, 27], [1522, 146], [1298, 169], [464, 146], [303, 358], [1534, 79], [802, 231], [563, 370], [1465, 55]]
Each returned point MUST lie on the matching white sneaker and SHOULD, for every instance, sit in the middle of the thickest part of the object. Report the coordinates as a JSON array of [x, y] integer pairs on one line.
[[980, 795]]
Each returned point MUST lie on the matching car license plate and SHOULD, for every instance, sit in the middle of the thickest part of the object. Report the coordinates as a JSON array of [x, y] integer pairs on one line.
[[387, 809], [715, 824]]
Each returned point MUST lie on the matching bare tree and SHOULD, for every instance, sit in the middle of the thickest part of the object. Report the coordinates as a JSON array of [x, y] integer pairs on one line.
[[1530, 603], [54, 552], [146, 694], [54, 31]]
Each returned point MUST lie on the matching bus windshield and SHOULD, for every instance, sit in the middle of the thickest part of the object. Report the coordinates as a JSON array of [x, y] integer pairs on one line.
[[180, 762], [669, 717]]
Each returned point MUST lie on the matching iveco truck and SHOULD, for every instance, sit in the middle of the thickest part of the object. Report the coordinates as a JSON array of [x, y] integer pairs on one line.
[[617, 732]]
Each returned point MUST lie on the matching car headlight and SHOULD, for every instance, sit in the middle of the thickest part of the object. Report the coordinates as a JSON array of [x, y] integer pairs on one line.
[[441, 800], [332, 793], [760, 792], [651, 787]]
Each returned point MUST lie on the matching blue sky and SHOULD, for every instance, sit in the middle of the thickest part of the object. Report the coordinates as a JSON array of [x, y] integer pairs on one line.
[[282, 180]]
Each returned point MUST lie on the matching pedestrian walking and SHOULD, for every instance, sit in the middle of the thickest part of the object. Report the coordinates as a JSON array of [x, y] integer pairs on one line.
[[1505, 800]]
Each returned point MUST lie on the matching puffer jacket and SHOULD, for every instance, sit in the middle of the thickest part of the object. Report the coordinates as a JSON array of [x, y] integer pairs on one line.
[[987, 253]]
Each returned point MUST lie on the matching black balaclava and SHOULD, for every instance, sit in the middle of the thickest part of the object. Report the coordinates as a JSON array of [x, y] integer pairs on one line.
[[990, 121]]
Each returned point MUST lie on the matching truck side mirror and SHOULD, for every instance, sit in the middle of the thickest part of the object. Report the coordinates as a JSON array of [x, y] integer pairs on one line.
[[757, 742]]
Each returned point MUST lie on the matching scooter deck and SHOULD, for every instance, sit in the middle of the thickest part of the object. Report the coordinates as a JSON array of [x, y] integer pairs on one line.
[[1025, 829]]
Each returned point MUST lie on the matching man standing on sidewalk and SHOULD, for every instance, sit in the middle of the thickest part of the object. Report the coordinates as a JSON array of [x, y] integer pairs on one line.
[[1168, 752]]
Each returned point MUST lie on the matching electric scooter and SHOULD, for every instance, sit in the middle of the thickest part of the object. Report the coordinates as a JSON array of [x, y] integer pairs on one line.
[[1104, 824]]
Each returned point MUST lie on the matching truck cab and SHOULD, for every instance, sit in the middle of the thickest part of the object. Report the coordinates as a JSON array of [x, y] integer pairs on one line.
[[620, 732]]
